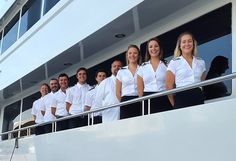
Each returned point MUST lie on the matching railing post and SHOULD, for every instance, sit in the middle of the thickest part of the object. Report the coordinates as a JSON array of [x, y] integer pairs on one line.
[[149, 104], [142, 107], [89, 119], [53, 126]]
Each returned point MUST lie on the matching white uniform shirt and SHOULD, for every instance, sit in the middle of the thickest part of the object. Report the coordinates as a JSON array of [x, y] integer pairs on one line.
[[154, 81], [90, 100], [106, 95], [76, 97], [184, 74], [36, 111], [59, 102], [128, 81], [46, 106]]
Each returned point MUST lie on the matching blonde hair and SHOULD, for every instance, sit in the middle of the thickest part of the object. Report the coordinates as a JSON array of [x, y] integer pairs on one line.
[[178, 51], [139, 55]]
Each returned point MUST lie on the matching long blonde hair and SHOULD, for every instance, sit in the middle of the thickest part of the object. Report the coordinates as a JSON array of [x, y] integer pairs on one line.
[[178, 51]]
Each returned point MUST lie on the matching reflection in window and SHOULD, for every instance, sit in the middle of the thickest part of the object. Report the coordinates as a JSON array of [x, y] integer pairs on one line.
[[48, 4], [10, 113], [218, 55], [0, 42], [10, 33], [30, 15]]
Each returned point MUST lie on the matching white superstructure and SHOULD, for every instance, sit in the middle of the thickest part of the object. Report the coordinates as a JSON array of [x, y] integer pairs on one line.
[[40, 39]]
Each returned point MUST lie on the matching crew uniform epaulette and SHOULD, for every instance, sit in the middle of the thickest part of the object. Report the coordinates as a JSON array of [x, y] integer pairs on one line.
[[145, 63], [92, 88], [177, 58], [165, 62], [199, 58], [123, 68]]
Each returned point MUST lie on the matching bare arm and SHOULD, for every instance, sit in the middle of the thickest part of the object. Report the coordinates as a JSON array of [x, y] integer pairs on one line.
[[118, 89], [170, 83], [87, 108], [68, 105], [140, 85], [53, 110], [203, 77], [34, 117]]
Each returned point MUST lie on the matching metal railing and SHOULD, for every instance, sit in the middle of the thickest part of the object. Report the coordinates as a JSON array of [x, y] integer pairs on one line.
[[140, 99]]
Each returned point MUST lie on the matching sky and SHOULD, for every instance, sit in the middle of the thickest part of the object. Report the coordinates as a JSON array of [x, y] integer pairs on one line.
[[2, 3]]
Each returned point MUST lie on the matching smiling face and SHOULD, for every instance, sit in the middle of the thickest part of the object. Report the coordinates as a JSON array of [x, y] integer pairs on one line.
[[53, 85], [186, 44], [115, 67], [63, 82], [132, 55], [100, 77], [81, 76], [44, 90], [153, 49]]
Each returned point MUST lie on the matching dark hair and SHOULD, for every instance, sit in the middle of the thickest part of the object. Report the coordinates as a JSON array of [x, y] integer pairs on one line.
[[117, 61], [63, 75], [98, 71], [82, 68], [52, 79], [139, 55], [147, 55]]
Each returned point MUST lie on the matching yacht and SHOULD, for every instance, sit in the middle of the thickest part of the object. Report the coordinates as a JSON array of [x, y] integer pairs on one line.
[[39, 39]]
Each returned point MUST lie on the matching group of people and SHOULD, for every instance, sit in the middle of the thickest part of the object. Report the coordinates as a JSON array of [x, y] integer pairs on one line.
[[132, 81]]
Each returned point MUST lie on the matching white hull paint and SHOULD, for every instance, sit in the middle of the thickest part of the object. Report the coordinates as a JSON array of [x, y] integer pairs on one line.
[[200, 133]]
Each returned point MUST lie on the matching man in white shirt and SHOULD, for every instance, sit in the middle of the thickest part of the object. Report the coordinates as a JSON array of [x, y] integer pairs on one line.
[[90, 98], [36, 109], [75, 99], [106, 94], [59, 102], [47, 104]]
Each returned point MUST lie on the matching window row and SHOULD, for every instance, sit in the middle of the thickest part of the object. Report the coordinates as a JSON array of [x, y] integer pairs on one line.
[[28, 15]]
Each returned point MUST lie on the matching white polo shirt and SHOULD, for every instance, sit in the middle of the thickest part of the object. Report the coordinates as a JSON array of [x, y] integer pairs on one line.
[[90, 100], [184, 74], [76, 97], [59, 102], [154, 81], [128, 82], [106, 95], [36, 111], [46, 106]]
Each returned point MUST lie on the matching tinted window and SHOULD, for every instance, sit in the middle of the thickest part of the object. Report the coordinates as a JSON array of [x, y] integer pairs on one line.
[[10, 33], [48, 4], [0, 42], [10, 113], [30, 15]]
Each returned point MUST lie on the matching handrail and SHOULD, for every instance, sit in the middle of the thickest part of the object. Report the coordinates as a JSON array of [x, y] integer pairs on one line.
[[167, 92]]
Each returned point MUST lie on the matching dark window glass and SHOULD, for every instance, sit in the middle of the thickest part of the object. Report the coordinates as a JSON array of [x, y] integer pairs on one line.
[[10, 33], [10, 114], [48, 4], [0, 42], [30, 15]]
